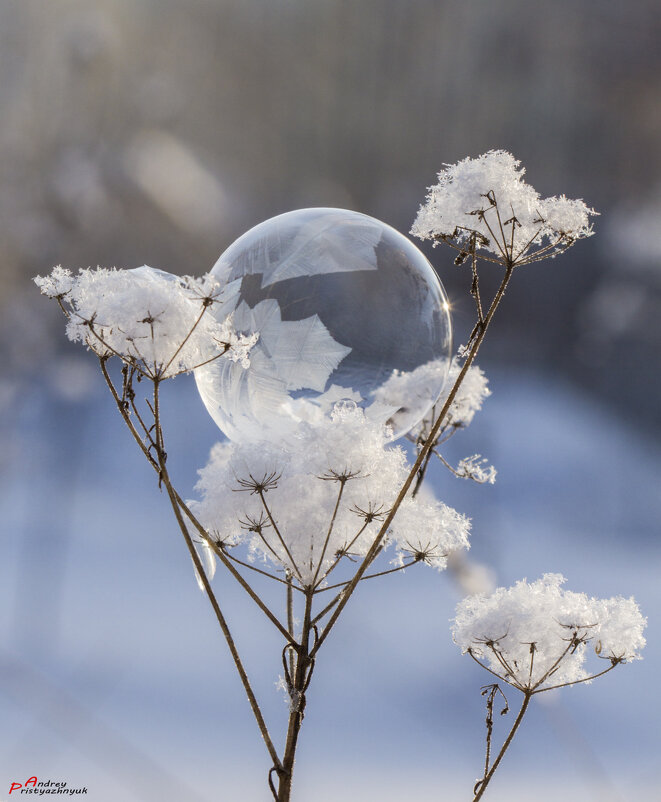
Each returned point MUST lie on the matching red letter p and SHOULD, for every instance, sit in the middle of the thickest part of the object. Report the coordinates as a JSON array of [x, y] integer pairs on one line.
[[15, 786]]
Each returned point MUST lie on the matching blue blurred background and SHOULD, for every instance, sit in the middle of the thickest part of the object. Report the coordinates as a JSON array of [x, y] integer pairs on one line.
[[156, 131]]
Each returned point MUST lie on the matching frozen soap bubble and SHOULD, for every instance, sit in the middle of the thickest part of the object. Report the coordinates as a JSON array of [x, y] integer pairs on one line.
[[347, 310]]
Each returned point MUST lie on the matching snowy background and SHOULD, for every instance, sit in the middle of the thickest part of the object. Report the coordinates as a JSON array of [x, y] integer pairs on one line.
[[157, 132]]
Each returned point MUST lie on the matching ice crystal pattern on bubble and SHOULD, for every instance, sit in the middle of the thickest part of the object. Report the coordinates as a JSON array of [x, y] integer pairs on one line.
[[346, 307]]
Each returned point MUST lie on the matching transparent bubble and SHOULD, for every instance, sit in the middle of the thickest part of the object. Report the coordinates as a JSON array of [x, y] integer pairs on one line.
[[349, 313]]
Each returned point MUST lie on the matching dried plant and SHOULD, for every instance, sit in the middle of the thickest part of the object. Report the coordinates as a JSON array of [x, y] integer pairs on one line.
[[315, 513]]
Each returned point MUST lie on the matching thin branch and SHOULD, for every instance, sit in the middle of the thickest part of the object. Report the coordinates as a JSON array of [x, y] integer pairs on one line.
[[260, 493], [526, 246], [327, 608], [475, 285], [449, 467], [290, 619], [554, 667], [422, 472], [486, 668], [125, 415], [369, 576], [482, 786], [127, 361], [508, 668], [345, 550], [577, 681], [376, 545], [542, 254], [163, 371], [328, 534], [219, 616], [304, 666], [254, 567], [514, 221], [201, 364], [446, 239], [490, 691], [225, 559], [227, 562], [483, 217], [138, 416], [502, 230]]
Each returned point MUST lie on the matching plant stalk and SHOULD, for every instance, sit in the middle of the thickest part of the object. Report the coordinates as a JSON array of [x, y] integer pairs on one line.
[[422, 456], [487, 778], [301, 679]]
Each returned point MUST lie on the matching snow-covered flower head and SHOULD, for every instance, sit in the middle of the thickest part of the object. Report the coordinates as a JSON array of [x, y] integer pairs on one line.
[[537, 636], [485, 199], [468, 400], [152, 320], [472, 393], [304, 502]]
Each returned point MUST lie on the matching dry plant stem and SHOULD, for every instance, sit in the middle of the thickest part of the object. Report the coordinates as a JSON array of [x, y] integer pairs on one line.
[[528, 690], [527, 695], [422, 456], [246, 586], [283, 543], [486, 668], [337, 598], [290, 619], [346, 550], [304, 664], [184, 341], [401, 567], [125, 415], [221, 619], [227, 562], [175, 501], [304, 655], [422, 472], [251, 567], [207, 586], [475, 286], [578, 681], [330, 531], [157, 444], [491, 692]]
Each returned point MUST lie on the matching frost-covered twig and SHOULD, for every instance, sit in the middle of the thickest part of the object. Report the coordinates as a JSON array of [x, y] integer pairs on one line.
[[465, 207], [418, 463], [534, 637]]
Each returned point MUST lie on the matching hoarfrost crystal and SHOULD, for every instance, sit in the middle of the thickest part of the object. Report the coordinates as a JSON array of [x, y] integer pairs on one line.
[[537, 635], [153, 321], [345, 307], [323, 495]]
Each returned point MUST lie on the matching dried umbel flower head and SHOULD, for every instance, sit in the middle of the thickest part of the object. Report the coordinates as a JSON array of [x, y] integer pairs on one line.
[[536, 636], [152, 320], [468, 400], [484, 204], [306, 501]]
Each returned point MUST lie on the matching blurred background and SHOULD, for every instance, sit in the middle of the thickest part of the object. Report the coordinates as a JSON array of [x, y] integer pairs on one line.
[[157, 131]]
